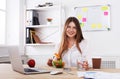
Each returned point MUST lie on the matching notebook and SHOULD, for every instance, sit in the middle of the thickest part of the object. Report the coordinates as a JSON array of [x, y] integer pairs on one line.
[[16, 63]]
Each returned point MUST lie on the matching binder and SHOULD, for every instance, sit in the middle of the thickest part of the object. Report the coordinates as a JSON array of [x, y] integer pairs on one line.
[[29, 18], [29, 37], [32, 18], [28, 40]]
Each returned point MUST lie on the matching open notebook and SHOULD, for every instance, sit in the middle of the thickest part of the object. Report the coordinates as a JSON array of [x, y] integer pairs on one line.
[[16, 62]]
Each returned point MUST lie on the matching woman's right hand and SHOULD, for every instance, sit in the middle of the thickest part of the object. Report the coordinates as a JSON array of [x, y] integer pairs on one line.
[[49, 63]]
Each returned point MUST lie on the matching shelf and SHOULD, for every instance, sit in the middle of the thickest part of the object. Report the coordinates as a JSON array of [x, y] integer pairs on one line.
[[49, 44], [47, 31], [54, 7], [42, 26]]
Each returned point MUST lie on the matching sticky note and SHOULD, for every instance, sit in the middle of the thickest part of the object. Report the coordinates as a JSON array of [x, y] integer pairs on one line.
[[93, 26], [85, 9], [81, 24], [99, 25], [105, 13], [83, 19], [104, 8], [79, 16]]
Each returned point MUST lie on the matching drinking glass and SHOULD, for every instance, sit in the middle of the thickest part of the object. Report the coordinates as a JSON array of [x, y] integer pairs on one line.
[[80, 62]]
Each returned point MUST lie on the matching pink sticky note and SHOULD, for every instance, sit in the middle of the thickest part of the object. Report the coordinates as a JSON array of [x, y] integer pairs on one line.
[[105, 13], [83, 19]]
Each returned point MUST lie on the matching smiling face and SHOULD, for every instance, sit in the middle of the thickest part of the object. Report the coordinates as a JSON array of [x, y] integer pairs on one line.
[[71, 30]]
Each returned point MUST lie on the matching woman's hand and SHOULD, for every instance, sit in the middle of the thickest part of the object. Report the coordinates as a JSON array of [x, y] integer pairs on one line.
[[85, 65], [49, 62]]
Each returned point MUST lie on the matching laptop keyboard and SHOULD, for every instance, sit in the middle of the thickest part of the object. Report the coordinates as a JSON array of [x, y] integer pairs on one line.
[[33, 70], [30, 70]]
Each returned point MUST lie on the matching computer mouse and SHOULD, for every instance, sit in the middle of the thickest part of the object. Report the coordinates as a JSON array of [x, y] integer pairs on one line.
[[55, 72]]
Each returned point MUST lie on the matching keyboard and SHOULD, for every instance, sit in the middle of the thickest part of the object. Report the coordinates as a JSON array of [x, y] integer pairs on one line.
[[29, 70], [36, 70]]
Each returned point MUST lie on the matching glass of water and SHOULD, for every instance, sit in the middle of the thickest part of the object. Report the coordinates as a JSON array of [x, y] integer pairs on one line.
[[80, 62]]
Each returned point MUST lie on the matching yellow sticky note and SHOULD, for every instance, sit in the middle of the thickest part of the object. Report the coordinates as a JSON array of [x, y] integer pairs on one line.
[[104, 8], [93, 26], [85, 9], [99, 25], [81, 24], [79, 16]]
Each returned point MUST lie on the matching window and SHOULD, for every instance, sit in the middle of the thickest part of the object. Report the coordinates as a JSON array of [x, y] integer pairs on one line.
[[2, 21]]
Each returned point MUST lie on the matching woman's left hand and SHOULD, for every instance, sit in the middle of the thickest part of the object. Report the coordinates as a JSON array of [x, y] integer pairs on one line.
[[85, 65]]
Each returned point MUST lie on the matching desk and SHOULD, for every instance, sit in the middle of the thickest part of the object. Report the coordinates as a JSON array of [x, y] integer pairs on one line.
[[6, 72]]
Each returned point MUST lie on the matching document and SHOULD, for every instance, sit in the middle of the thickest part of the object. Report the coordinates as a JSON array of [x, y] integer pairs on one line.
[[98, 75]]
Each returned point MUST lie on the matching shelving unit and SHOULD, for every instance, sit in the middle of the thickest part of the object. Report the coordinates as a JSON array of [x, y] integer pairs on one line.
[[54, 7], [40, 44], [47, 32], [43, 26]]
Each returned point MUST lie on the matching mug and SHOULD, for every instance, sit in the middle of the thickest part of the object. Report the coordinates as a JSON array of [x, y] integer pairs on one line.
[[96, 62]]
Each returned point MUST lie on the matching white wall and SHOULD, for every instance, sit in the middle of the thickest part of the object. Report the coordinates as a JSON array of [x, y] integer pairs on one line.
[[103, 43], [13, 22], [12, 25]]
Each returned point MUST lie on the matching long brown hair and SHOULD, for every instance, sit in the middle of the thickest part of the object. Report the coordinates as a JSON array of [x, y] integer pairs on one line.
[[79, 36]]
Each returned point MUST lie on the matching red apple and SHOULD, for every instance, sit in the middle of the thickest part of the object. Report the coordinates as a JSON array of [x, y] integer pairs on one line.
[[31, 63]]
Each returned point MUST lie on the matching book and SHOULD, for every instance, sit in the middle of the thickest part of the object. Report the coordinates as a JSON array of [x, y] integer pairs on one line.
[[31, 36], [36, 38]]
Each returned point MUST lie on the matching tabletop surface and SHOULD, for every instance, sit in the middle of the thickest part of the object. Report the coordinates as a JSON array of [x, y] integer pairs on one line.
[[6, 72]]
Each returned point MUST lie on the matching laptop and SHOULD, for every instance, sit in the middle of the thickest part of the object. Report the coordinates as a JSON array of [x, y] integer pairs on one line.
[[16, 63]]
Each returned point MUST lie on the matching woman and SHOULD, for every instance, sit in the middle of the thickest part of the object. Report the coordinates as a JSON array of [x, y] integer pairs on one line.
[[73, 45]]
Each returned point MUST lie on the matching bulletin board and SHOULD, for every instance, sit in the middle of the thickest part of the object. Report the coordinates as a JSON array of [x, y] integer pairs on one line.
[[94, 18]]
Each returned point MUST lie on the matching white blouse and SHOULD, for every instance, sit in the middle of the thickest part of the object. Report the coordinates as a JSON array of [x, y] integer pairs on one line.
[[72, 54]]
